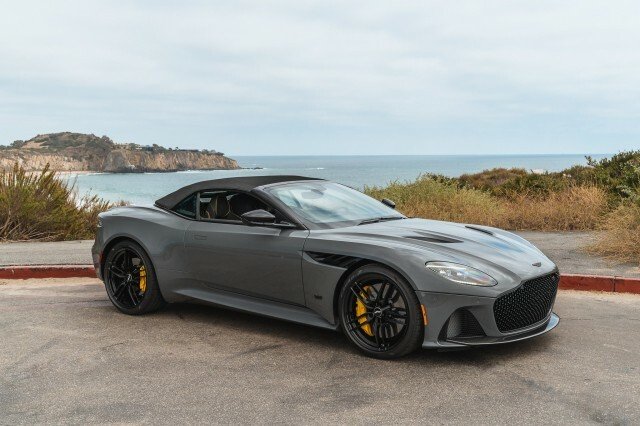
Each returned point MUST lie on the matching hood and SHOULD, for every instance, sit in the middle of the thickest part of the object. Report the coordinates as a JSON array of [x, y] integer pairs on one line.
[[491, 250]]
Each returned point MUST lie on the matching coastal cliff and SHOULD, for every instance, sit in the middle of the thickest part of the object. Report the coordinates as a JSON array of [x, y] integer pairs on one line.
[[82, 152], [122, 160]]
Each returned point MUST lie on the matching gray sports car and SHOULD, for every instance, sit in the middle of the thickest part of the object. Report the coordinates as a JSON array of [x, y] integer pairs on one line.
[[319, 253]]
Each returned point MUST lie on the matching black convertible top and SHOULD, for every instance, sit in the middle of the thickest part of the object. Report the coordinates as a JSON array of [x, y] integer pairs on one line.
[[244, 183]]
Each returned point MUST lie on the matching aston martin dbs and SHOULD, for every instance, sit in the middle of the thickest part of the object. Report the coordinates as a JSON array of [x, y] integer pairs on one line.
[[320, 253]]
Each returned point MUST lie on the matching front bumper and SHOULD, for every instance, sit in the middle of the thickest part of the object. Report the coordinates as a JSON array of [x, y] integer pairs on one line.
[[441, 306], [548, 325]]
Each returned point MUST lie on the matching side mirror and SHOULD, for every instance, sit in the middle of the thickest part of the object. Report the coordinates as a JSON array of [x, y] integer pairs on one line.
[[387, 202], [258, 218]]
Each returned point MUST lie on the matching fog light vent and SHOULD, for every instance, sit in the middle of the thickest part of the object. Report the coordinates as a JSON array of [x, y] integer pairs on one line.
[[463, 324]]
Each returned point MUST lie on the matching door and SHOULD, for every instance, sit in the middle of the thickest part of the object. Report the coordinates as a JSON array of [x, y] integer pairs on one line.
[[258, 261]]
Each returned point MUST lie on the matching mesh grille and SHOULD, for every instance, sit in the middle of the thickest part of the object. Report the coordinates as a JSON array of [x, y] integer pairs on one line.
[[463, 324], [528, 304]]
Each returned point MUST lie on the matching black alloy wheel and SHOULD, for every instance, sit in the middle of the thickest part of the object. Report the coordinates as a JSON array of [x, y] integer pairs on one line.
[[130, 279], [380, 312]]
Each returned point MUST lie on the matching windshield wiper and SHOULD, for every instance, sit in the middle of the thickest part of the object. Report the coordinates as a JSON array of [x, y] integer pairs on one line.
[[380, 219]]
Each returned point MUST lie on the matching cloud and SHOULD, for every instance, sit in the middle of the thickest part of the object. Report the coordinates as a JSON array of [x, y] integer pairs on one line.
[[246, 73]]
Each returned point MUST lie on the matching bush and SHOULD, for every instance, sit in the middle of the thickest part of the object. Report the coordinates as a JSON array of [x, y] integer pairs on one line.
[[620, 174], [42, 207], [441, 200], [572, 209], [490, 180], [621, 237]]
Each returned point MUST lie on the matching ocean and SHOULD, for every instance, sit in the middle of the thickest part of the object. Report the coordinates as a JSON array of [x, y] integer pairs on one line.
[[355, 171]]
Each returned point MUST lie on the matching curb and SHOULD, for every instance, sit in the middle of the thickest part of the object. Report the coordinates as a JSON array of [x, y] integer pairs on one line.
[[47, 271], [597, 283], [567, 281]]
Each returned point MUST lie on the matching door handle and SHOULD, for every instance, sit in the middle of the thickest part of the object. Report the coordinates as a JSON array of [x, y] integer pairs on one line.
[[199, 237]]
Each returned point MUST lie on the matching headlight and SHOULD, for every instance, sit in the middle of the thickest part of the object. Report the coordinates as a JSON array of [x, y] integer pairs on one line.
[[461, 274]]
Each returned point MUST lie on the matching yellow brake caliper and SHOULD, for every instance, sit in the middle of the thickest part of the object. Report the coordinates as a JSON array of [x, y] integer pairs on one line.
[[361, 310], [143, 279]]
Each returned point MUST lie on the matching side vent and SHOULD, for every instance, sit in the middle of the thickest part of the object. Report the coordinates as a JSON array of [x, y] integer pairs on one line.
[[338, 260], [484, 231]]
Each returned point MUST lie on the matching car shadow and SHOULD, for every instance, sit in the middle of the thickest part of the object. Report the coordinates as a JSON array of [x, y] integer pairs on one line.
[[252, 323], [483, 357]]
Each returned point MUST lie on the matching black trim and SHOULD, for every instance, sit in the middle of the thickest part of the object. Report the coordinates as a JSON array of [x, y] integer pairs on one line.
[[337, 260], [434, 239], [476, 228]]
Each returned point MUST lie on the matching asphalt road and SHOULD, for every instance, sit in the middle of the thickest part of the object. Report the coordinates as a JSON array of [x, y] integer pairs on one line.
[[67, 356], [46, 253], [566, 249]]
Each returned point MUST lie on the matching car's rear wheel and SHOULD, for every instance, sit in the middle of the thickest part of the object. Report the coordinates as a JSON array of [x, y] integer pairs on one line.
[[380, 313], [130, 279]]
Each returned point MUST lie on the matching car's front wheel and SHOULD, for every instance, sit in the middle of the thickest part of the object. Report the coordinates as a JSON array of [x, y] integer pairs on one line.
[[380, 313], [130, 279]]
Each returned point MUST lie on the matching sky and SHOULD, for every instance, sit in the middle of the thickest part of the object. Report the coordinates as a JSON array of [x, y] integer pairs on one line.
[[326, 77]]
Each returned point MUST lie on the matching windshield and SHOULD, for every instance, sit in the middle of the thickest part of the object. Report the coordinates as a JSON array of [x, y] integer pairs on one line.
[[324, 203]]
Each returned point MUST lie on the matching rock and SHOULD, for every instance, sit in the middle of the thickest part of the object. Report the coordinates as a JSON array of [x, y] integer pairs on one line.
[[81, 152]]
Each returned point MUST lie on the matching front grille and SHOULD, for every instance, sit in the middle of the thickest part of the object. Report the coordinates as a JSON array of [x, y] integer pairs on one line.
[[462, 324], [528, 304]]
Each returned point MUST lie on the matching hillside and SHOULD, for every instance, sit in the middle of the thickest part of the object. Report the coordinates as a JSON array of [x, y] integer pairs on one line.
[[68, 151]]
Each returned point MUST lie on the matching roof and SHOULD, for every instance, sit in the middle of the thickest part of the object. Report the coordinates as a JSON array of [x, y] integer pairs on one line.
[[244, 183]]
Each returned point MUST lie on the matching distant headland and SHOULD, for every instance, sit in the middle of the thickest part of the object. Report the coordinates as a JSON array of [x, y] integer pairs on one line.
[[79, 152]]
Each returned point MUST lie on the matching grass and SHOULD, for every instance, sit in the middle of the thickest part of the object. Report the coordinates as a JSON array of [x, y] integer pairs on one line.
[[621, 237], [42, 207], [432, 199], [573, 208]]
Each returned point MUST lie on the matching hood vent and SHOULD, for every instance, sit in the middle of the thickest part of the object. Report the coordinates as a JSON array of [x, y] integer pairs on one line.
[[433, 239], [484, 231]]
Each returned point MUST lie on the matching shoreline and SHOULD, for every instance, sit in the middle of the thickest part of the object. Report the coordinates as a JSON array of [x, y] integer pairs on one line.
[[95, 172]]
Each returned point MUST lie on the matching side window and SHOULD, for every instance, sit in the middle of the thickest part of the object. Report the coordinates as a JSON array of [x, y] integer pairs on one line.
[[187, 207], [230, 205]]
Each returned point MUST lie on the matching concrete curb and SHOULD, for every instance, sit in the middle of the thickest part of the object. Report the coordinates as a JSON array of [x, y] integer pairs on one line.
[[597, 283], [47, 271], [567, 281]]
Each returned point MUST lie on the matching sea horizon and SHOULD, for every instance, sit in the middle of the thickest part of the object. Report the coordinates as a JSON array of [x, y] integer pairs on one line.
[[421, 155], [356, 171]]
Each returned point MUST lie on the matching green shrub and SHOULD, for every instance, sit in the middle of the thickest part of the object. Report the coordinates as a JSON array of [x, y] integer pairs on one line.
[[42, 207], [620, 174], [491, 180]]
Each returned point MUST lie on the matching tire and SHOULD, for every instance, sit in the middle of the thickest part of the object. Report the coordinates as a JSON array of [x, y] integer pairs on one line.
[[380, 313], [131, 290]]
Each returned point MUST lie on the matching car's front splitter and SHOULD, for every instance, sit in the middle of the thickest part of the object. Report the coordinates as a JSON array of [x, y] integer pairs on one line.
[[552, 322], [441, 307]]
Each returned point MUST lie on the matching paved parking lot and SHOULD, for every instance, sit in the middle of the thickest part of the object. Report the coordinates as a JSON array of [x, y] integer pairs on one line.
[[67, 356]]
